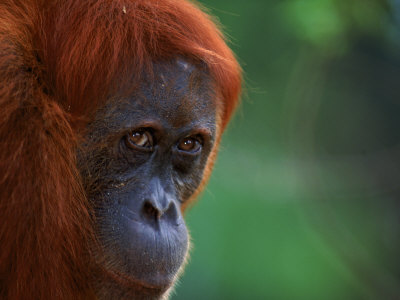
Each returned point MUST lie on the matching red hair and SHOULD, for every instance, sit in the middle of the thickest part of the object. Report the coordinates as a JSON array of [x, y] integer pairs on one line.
[[59, 60], [90, 43]]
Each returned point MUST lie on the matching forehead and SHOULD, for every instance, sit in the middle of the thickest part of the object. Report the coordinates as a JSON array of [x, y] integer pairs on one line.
[[177, 92]]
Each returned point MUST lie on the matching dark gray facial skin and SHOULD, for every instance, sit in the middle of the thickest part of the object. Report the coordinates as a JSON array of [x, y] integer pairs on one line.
[[137, 189]]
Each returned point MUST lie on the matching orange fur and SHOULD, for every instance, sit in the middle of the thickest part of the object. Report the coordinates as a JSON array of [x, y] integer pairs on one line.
[[59, 61]]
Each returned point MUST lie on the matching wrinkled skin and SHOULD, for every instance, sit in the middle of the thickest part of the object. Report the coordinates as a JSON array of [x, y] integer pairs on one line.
[[142, 157]]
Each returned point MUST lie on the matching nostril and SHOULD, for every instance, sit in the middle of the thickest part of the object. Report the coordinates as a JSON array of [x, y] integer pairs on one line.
[[150, 211], [171, 211], [154, 212]]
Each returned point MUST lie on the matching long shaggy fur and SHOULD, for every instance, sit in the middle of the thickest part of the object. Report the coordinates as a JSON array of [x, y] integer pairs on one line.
[[59, 60]]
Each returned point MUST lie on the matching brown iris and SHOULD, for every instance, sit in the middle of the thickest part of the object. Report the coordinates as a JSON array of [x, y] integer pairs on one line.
[[190, 144], [140, 139]]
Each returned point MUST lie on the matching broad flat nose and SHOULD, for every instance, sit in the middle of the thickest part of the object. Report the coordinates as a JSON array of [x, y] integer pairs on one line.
[[152, 210], [157, 204]]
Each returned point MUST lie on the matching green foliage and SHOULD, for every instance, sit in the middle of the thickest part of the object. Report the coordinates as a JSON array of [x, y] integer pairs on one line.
[[300, 205], [331, 24], [316, 21]]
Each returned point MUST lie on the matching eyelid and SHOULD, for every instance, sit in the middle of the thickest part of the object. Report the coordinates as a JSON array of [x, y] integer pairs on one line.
[[203, 134], [152, 126], [142, 128], [197, 137]]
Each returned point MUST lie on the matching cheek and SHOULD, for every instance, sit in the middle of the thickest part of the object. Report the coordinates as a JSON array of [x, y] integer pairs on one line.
[[188, 174], [186, 185], [206, 170]]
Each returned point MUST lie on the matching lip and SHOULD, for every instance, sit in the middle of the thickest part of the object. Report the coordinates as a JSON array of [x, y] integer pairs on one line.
[[160, 272], [134, 284]]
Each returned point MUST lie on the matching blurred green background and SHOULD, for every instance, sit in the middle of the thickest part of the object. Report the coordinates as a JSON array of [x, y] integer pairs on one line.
[[303, 202]]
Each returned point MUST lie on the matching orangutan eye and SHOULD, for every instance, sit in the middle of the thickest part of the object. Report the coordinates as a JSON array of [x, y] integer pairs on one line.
[[190, 144], [140, 139]]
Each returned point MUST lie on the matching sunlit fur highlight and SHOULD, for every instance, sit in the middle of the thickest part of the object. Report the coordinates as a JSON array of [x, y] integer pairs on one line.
[[59, 61]]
